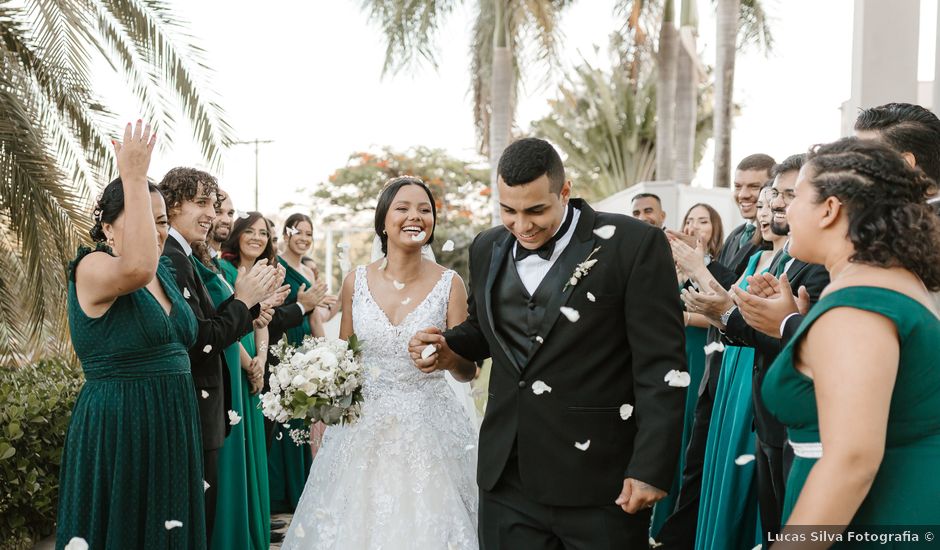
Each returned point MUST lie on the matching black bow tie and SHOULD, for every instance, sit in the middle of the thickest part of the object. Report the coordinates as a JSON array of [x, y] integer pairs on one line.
[[545, 251]]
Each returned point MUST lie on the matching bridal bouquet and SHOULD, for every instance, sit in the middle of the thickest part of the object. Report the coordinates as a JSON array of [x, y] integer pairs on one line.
[[318, 381]]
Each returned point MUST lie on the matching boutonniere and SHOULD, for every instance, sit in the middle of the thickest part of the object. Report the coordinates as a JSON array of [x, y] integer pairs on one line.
[[581, 270]]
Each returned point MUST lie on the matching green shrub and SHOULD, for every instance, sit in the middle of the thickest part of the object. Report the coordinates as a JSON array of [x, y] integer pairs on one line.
[[35, 407]]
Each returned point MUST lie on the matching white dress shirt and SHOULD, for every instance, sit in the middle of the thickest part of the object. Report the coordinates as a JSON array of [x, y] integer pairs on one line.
[[532, 269], [179, 238]]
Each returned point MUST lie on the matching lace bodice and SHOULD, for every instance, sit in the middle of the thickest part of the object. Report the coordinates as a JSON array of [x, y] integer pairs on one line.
[[385, 346]]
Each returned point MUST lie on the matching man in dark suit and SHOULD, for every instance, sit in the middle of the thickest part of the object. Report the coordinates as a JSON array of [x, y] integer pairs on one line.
[[579, 312], [772, 453], [750, 175], [191, 197]]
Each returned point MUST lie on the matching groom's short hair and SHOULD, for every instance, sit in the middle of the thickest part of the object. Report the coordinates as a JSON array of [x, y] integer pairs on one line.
[[527, 160]]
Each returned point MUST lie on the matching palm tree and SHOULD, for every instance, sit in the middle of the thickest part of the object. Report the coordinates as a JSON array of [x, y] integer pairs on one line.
[[689, 75], [666, 75], [498, 57], [55, 139], [740, 22]]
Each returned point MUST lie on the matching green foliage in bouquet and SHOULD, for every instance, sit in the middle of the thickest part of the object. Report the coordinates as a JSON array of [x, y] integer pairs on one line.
[[35, 408]]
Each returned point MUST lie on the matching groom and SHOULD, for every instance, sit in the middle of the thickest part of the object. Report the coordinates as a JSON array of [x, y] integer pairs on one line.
[[580, 312]]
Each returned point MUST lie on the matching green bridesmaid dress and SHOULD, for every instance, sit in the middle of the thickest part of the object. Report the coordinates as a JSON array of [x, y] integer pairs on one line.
[[289, 463], [695, 340], [906, 490], [727, 513], [132, 459], [243, 516]]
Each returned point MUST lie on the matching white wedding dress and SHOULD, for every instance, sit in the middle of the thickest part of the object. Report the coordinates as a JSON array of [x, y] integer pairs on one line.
[[402, 477]]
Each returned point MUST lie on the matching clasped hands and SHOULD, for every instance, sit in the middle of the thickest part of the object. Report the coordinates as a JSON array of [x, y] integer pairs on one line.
[[443, 357], [768, 301]]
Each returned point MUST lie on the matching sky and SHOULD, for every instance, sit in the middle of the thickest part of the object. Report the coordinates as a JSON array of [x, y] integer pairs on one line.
[[308, 75]]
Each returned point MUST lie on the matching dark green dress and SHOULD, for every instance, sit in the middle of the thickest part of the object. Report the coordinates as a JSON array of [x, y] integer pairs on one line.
[[289, 463], [133, 453], [906, 490], [243, 515]]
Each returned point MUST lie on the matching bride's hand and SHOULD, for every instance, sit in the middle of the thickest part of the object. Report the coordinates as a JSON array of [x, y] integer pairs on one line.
[[442, 359]]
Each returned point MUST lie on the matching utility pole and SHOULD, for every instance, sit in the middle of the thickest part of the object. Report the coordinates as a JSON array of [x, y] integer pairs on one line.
[[256, 142]]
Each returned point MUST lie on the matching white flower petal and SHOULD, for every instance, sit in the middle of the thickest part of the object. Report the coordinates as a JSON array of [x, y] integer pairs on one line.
[[448, 246], [626, 411], [406, 301], [207, 349], [234, 418], [713, 347], [539, 387], [172, 524], [573, 281], [384, 264], [280, 435], [743, 459], [242, 215], [428, 351], [398, 285], [204, 394], [678, 379], [758, 547], [571, 314], [292, 230], [186, 293], [77, 543], [469, 447], [583, 446], [605, 231], [540, 340], [419, 237], [299, 531], [591, 297], [205, 486]]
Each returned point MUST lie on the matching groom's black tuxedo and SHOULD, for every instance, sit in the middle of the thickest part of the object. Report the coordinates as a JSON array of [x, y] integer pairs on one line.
[[628, 338]]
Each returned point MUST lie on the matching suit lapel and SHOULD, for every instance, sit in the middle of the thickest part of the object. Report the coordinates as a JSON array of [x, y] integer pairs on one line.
[[497, 257], [581, 245], [795, 270]]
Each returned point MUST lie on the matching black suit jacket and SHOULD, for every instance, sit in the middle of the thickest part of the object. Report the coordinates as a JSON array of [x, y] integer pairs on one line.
[[619, 352], [815, 278], [218, 328]]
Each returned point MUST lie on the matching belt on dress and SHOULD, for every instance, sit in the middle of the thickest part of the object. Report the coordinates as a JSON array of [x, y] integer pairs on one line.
[[806, 450]]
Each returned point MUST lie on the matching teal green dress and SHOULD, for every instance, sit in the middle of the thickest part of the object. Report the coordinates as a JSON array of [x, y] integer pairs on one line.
[[906, 490], [289, 463], [133, 452], [695, 339], [243, 515], [727, 513]]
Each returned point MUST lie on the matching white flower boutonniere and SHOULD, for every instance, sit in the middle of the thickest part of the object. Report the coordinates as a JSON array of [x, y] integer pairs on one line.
[[581, 270]]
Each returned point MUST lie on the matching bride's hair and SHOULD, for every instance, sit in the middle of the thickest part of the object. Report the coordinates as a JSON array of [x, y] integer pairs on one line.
[[385, 202]]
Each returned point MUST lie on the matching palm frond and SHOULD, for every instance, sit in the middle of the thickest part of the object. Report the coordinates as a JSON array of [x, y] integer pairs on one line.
[[754, 26], [410, 28]]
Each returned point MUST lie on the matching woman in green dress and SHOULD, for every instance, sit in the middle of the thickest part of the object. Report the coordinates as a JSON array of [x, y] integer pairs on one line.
[[728, 515], [704, 223], [858, 385], [131, 474]]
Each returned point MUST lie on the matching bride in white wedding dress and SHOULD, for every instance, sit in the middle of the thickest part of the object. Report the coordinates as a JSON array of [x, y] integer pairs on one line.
[[402, 477]]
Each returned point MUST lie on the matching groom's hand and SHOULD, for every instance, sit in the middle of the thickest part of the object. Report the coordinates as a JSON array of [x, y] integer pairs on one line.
[[637, 495], [442, 359]]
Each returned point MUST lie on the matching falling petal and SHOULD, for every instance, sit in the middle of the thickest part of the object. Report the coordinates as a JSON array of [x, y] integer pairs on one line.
[[583, 446], [186, 293], [204, 394], [758, 547], [384, 264], [242, 215], [77, 543], [469, 447], [678, 379], [540, 340], [280, 435], [172, 524], [205, 486], [419, 237], [713, 347], [207, 349], [292, 231], [406, 301], [626, 411], [743, 459], [605, 231], [448, 246], [428, 351], [233, 418], [571, 314], [398, 285], [654, 544], [591, 297], [299, 531], [539, 387]]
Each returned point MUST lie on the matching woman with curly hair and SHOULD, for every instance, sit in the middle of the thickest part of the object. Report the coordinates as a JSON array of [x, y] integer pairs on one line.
[[858, 385]]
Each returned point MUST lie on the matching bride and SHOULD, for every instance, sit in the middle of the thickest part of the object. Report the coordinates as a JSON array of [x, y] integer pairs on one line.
[[402, 477]]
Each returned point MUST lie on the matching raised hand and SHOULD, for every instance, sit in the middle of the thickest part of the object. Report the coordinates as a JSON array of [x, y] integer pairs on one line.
[[710, 304], [134, 152], [766, 314], [311, 298], [264, 318], [689, 259], [637, 495], [278, 297], [254, 285], [683, 236]]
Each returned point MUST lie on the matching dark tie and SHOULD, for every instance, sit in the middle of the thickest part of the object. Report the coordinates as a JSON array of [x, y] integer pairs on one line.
[[545, 251], [746, 235], [781, 266]]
